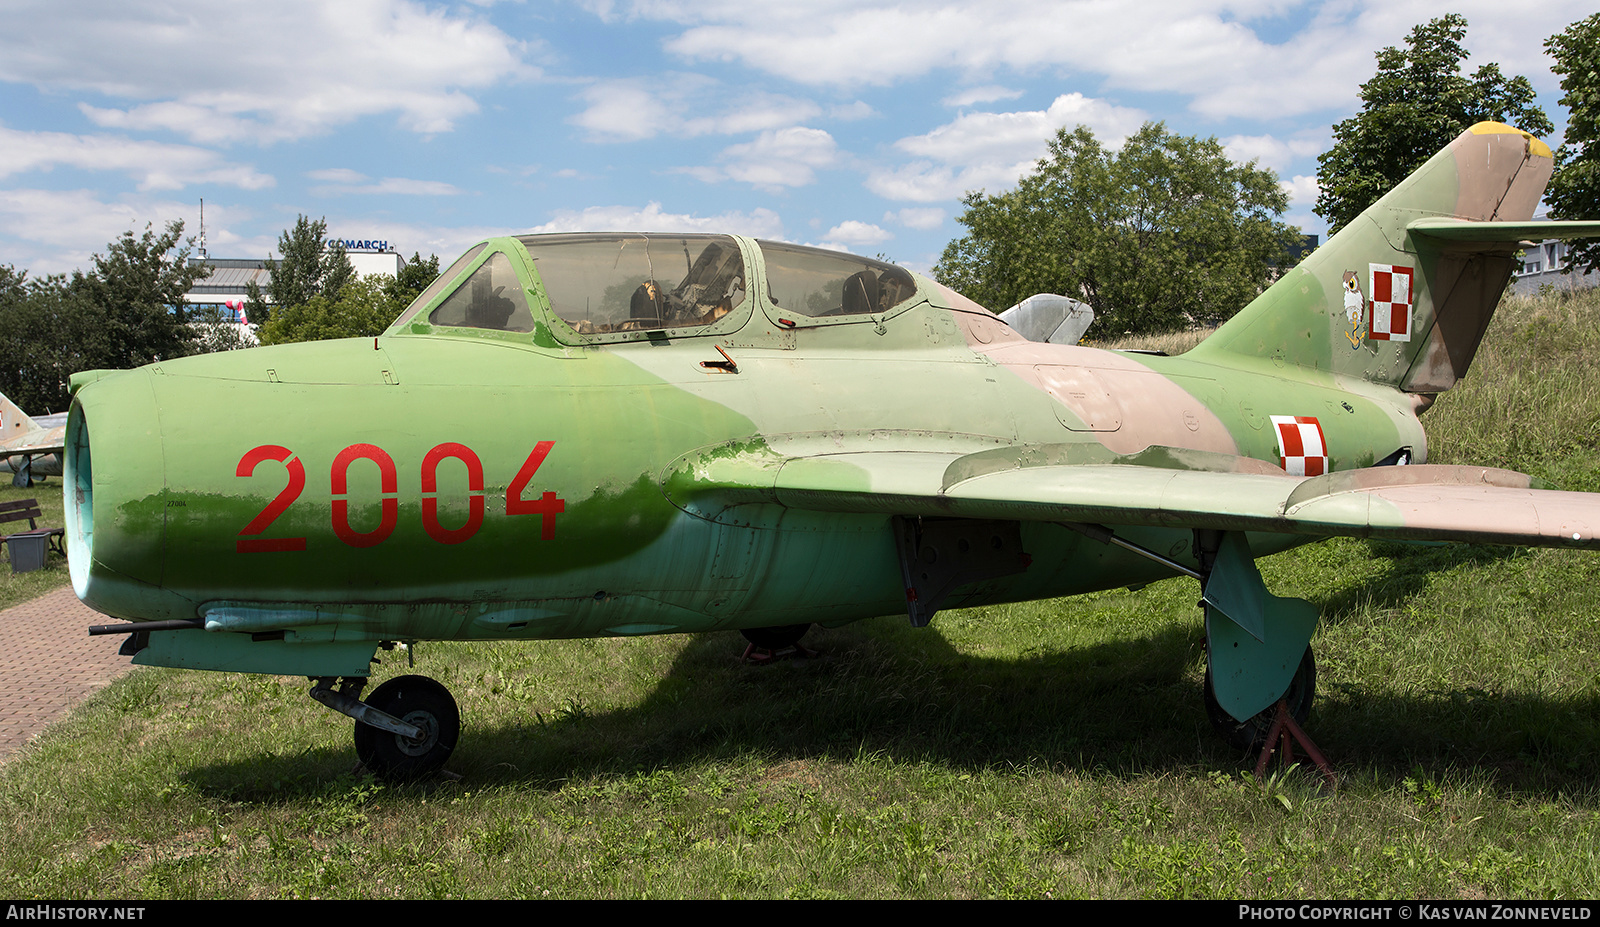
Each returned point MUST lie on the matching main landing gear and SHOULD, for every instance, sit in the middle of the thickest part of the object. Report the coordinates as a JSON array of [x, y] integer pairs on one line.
[[1260, 675], [767, 644], [406, 728], [1252, 734], [1275, 729]]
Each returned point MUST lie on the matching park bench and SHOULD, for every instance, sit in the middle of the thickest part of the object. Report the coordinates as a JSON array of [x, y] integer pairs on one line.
[[30, 548]]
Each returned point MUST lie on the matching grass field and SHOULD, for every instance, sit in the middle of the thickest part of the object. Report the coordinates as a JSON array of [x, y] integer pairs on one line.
[[1053, 749]]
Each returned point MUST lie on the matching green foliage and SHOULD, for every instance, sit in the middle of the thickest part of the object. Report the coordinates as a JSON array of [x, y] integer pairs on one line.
[[213, 329], [138, 289], [413, 278], [317, 295], [1165, 233], [1416, 103], [362, 309], [45, 328], [305, 271], [128, 310], [1574, 191]]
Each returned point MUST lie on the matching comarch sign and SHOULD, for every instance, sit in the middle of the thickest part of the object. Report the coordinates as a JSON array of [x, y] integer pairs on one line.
[[358, 244]]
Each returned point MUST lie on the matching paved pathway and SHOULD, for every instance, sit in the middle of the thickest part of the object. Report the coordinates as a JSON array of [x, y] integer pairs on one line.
[[48, 663]]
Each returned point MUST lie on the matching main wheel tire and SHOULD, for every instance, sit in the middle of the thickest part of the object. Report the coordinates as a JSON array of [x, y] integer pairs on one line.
[[776, 638], [1252, 734], [415, 700]]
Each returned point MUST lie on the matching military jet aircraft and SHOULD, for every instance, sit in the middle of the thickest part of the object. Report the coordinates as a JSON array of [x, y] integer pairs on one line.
[[28, 449], [631, 433]]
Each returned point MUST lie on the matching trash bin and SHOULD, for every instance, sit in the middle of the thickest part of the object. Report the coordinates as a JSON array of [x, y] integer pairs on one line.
[[29, 550]]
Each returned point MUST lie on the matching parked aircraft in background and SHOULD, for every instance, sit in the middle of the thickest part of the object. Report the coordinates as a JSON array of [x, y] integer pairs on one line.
[[28, 449], [636, 433]]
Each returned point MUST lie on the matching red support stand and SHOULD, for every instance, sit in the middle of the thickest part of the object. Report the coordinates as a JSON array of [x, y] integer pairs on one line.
[[1285, 729], [761, 656]]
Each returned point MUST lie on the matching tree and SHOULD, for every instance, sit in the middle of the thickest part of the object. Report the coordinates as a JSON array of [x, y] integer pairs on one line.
[[1574, 191], [128, 310], [1160, 235], [305, 271], [138, 289], [1416, 103], [413, 278], [213, 329], [364, 308], [47, 331]]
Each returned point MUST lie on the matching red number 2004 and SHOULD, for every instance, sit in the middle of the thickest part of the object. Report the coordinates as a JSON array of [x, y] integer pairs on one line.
[[250, 541]]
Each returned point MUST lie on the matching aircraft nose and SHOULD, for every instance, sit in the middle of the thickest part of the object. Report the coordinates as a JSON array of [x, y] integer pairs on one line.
[[113, 483]]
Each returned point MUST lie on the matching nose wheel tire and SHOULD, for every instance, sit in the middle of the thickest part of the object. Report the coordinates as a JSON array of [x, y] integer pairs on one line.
[[1252, 734], [419, 701]]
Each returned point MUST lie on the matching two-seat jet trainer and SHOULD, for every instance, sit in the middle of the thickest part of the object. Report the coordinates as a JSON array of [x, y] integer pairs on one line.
[[630, 433]]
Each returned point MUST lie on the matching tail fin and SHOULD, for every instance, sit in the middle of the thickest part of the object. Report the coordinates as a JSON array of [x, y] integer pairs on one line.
[[1403, 294], [13, 421]]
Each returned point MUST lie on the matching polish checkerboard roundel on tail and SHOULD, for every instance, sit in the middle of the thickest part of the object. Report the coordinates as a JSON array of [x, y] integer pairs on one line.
[[1389, 317]]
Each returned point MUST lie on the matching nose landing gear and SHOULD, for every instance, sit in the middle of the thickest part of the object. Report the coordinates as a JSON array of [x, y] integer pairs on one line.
[[405, 730]]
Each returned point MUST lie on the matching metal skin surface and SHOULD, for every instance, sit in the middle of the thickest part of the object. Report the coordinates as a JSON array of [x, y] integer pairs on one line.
[[450, 483]]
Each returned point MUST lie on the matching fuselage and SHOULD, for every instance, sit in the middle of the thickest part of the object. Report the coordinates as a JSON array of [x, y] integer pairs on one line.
[[449, 481]]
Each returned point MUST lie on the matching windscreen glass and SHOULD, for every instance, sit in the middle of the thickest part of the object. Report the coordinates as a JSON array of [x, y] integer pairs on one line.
[[491, 298], [439, 283]]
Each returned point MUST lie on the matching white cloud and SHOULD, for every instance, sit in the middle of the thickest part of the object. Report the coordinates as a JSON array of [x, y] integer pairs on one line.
[[774, 160], [992, 150], [1270, 152], [337, 175], [683, 106], [985, 94], [759, 223], [58, 230], [914, 217], [850, 112], [63, 228], [1302, 190], [223, 71], [156, 166], [349, 181], [1207, 50], [856, 233]]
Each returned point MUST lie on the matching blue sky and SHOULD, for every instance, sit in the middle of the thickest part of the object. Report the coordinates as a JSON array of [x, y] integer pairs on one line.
[[855, 125]]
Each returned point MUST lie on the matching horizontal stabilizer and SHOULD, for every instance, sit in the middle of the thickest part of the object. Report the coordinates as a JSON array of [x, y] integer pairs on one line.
[[1445, 229]]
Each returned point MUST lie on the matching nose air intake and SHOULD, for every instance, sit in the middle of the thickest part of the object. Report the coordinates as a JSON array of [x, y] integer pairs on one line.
[[114, 498], [78, 489]]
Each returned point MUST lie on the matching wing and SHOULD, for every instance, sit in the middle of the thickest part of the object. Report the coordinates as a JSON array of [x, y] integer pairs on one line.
[[1163, 487]]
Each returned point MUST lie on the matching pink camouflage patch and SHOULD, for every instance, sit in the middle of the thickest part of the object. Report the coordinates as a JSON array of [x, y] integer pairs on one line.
[[1389, 316], [1302, 451]]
